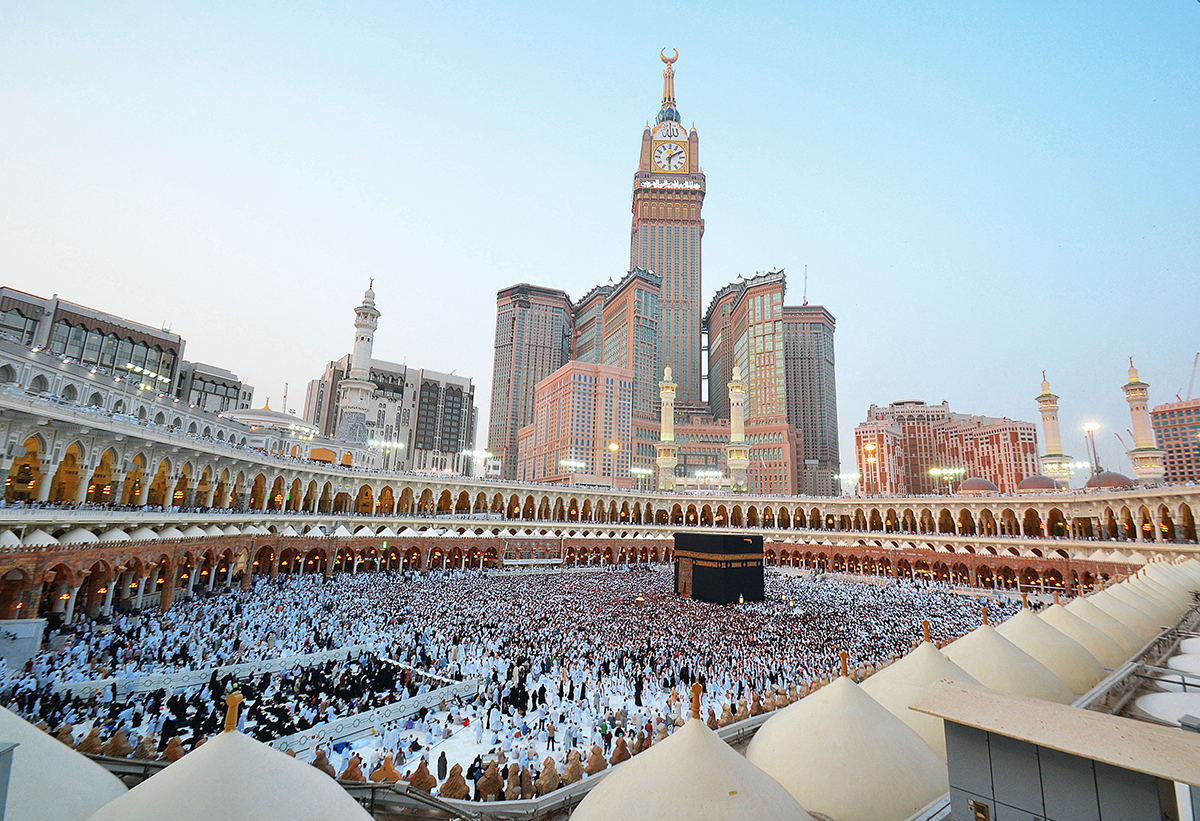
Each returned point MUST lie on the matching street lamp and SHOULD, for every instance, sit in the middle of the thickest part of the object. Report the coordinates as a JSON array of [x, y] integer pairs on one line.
[[572, 465], [476, 455], [852, 478], [1090, 428], [613, 447], [643, 474]]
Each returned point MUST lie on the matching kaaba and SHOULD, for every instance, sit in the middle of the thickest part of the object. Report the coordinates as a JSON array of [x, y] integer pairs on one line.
[[719, 568]]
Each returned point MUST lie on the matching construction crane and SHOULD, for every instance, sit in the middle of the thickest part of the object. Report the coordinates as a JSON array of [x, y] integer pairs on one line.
[[1192, 381]]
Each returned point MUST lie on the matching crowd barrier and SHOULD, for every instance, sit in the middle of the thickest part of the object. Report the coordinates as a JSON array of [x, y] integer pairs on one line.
[[361, 725], [193, 678]]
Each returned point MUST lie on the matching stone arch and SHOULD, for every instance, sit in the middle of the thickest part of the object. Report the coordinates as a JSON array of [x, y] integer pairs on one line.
[[39, 384], [927, 524], [364, 500], [65, 484], [25, 476], [966, 523], [945, 522], [1187, 523]]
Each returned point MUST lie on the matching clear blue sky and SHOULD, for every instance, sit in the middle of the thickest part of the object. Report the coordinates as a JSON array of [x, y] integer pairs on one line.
[[980, 190]]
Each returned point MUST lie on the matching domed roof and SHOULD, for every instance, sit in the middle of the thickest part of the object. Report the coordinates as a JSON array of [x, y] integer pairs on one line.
[[1170, 707], [1191, 645], [691, 774], [1093, 639], [1060, 654], [232, 777], [1173, 602], [1156, 611], [1109, 479], [1037, 482], [49, 780], [976, 484], [900, 684], [1137, 621], [1186, 662], [1126, 639], [841, 754], [999, 664]]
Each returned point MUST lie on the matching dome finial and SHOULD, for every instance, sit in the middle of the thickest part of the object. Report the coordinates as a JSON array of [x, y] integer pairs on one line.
[[231, 710], [985, 621], [668, 111], [1133, 372], [696, 691], [843, 655], [925, 628], [1024, 600]]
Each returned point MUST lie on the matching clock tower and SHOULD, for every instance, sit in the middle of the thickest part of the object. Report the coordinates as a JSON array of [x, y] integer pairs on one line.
[[668, 193]]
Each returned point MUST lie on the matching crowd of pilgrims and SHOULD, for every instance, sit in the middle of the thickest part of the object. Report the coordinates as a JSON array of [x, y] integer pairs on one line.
[[566, 661]]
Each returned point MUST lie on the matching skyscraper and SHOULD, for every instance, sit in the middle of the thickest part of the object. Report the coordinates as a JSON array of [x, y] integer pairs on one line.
[[812, 394], [668, 194], [533, 339]]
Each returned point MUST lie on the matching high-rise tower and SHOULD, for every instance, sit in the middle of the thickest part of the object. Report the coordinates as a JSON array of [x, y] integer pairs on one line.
[[668, 194], [533, 340], [357, 388]]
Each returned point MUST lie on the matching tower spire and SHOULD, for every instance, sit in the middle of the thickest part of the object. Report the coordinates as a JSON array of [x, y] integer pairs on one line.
[[669, 111]]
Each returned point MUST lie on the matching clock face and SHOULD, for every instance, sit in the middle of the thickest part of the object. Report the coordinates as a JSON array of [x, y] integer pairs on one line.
[[670, 157]]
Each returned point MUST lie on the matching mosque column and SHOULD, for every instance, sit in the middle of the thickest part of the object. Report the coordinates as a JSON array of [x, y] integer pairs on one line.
[[31, 600], [106, 608], [229, 573], [354, 572], [141, 592], [59, 603], [1158, 531], [69, 610], [192, 580], [48, 469], [212, 577], [81, 488], [144, 491]]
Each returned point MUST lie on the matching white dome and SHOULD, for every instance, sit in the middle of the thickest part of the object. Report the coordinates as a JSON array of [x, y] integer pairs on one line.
[[9, 539], [39, 538], [194, 532], [50, 781], [1125, 638], [1061, 654], [1170, 706], [231, 530], [213, 530], [999, 664], [841, 754], [1133, 618], [170, 532], [1171, 598], [342, 532], [661, 784], [234, 778], [1191, 645], [143, 534], [1186, 663], [899, 685], [114, 535], [78, 536], [1093, 639], [290, 532]]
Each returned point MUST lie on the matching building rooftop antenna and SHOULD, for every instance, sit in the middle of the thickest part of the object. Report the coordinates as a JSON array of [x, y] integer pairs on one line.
[[806, 283], [1192, 381]]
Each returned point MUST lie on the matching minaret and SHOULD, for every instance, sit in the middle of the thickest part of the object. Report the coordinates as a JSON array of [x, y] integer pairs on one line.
[[736, 453], [356, 389], [1054, 463], [1147, 459], [667, 449]]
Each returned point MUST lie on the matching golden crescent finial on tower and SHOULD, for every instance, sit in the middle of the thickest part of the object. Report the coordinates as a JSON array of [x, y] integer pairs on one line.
[[668, 60]]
